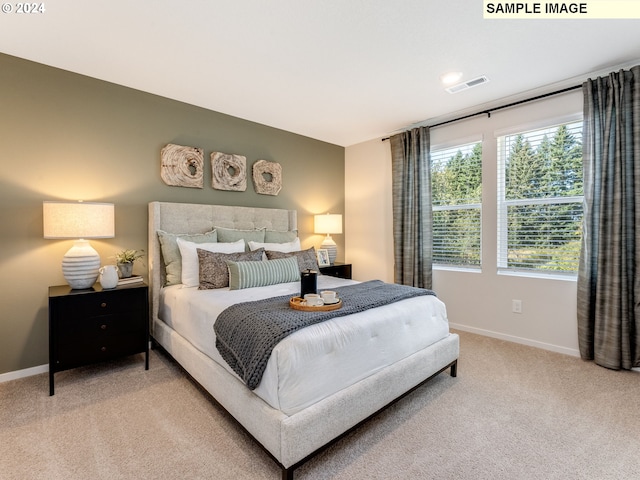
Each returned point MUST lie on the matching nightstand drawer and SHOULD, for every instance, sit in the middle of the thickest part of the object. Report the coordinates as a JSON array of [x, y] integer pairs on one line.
[[99, 325], [105, 303], [99, 348]]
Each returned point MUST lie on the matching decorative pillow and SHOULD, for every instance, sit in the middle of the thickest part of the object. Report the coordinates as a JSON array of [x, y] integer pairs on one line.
[[171, 252], [214, 272], [260, 274], [190, 268], [271, 236], [293, 246], [306, 258], [233, 235]]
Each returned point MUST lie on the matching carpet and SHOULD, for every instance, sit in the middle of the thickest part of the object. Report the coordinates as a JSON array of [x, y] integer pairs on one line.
[[513, 412]]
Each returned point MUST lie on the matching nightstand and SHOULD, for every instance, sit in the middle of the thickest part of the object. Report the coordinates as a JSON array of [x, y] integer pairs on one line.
[[96, 324], [342, 270]]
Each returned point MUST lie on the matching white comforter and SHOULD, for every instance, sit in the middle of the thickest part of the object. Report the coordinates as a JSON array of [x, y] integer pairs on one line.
[[318, 360]]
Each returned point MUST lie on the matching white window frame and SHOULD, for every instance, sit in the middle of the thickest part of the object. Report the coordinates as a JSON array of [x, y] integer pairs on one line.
[[453, 145], [503, 204]]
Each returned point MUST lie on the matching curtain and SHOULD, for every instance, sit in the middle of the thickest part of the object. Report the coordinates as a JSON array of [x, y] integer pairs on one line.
[[412, 217], [609, 271]]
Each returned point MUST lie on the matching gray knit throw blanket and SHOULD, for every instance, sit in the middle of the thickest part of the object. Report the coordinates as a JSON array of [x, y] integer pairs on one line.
[[246, 333]]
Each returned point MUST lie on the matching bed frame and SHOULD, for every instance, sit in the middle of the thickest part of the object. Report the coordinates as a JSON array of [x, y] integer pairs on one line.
[[289, 440]]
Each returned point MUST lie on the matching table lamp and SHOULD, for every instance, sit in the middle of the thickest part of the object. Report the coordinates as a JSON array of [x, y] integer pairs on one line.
[[79, 220], [328, 224]]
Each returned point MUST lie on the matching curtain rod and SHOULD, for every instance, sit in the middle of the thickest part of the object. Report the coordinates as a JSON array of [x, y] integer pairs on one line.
[[489, 110]]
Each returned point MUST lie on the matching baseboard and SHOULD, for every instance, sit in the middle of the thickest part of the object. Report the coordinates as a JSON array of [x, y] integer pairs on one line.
[[27, 372], [511, 338]]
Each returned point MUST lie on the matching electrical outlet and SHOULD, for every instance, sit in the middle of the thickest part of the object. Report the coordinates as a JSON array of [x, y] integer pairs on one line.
[[516, 306]]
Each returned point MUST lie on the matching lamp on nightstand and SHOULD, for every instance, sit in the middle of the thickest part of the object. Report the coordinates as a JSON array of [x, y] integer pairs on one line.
[[328, 223], [79, 220]]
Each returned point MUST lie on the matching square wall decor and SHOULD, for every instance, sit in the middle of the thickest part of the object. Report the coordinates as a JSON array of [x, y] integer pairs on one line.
[[228, 172], [182, 166]]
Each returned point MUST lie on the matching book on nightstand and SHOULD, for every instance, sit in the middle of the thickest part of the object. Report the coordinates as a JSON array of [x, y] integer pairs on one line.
[[130, 280]]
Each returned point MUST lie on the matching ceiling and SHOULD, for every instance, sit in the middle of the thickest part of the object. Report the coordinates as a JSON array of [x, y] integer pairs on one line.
[[341, 71]]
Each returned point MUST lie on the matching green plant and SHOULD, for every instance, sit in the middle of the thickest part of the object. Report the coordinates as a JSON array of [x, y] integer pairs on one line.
[[129, 256]]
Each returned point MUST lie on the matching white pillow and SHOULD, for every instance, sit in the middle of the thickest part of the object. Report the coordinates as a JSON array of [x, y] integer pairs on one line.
[[190, 265], [287, 247]]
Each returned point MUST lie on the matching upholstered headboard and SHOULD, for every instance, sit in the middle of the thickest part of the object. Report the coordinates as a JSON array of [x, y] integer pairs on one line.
[[190, 218]]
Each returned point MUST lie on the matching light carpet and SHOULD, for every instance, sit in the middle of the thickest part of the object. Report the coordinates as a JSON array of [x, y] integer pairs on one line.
[[513, 412]]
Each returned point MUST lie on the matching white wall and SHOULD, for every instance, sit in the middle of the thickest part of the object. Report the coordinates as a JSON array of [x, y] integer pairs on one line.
[[477, 302], [368, 211]]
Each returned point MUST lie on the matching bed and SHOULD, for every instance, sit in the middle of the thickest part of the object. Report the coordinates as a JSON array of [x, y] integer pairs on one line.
[[291, 413]]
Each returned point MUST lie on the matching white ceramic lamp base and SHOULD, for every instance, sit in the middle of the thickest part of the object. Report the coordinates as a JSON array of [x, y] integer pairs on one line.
[[80, 265], [330, 246]]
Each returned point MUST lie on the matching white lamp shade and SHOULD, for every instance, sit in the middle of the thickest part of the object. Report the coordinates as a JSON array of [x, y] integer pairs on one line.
[[80, 220], [328, 223]]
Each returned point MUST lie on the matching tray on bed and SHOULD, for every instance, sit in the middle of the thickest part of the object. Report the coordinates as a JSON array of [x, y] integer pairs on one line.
[[298, 303]]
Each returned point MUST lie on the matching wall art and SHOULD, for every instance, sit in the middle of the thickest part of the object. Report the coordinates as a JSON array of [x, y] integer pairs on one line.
[[228, 172], [182, 166], [267, 177]]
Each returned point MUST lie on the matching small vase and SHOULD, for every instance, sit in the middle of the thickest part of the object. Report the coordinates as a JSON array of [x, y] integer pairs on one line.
[[108, 276], [125, 269]]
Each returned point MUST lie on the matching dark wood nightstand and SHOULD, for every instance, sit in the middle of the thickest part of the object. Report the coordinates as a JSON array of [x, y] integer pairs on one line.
[[342, 270], [96, 324]]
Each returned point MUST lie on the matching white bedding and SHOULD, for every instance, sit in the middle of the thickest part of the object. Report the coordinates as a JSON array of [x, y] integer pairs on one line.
[[318, 360]]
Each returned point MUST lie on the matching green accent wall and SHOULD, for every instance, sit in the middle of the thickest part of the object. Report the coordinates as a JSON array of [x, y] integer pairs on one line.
[[64, 136]]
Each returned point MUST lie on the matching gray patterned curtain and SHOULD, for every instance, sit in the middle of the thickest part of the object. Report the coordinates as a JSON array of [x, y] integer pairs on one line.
[[609, 272], [412, 218]]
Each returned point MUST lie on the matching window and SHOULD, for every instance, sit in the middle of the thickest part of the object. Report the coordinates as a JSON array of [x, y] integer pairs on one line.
[[456, 178], [540, 193]]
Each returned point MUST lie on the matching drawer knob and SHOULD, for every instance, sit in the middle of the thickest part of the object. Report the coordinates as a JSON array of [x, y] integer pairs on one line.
[[103, 304], [103, 326], [103, 349]]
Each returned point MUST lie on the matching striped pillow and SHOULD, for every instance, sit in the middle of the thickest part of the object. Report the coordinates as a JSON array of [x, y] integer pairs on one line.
[[260, 274]]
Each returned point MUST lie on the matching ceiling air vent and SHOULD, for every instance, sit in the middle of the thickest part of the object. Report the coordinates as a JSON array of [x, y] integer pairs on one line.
[[466, 85]]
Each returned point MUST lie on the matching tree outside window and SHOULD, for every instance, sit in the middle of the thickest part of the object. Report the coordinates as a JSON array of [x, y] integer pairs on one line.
[[540, 194], [456, 176]]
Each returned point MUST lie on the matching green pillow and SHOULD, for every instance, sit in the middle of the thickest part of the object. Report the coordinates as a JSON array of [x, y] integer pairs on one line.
[[260, 274], [171, 252], [233, 235], [271, 236]]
